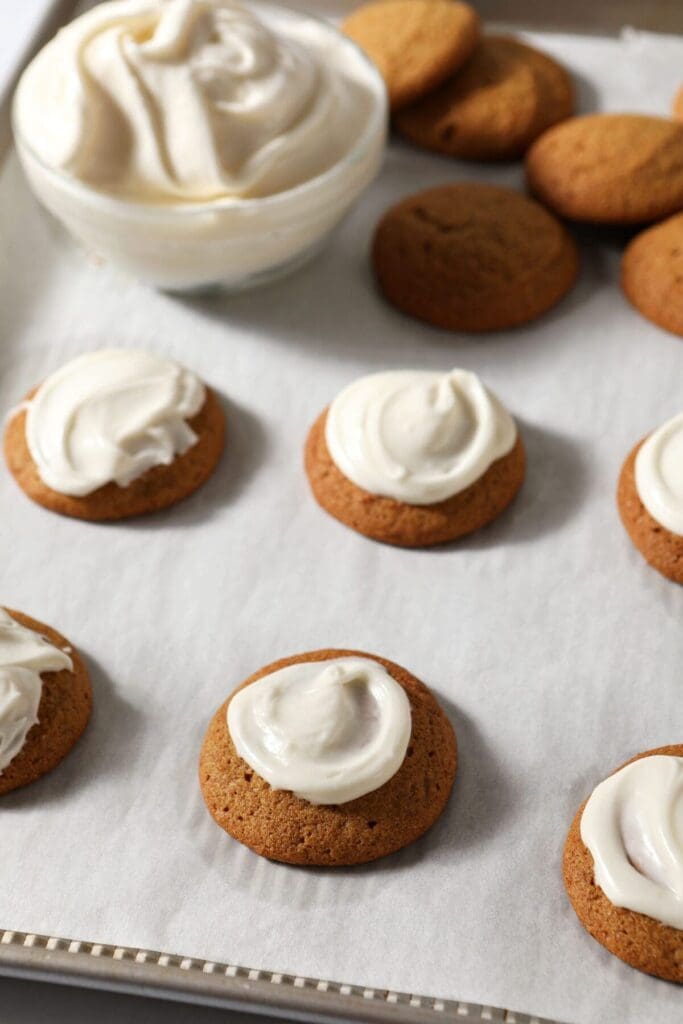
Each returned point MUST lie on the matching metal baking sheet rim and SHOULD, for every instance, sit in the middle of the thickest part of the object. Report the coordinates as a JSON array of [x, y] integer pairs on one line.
[[171, 976]]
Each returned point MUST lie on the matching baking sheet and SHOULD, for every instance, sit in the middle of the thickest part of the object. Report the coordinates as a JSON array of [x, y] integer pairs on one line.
[[554, 648]]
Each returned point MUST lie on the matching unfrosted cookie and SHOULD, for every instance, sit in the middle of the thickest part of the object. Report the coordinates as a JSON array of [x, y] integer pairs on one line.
[[495, 106], [473, 257], [678, 104], [609, 168], [277, 824], [64, 698], [652, 274], [662, 548], [415, 459], [637, 938], [94, 453], [416, 44]]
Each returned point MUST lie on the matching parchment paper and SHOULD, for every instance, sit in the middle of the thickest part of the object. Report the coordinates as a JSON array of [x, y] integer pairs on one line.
[[554, 648]]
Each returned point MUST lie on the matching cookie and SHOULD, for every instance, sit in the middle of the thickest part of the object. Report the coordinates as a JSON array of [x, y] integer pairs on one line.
[[661, 548], [63, 713], [494, 107], [678, 104], [637, 939], [411, 526], [473, 257], [652, 274], [166, 461], [284, 827], [416, 44], [609, 168]]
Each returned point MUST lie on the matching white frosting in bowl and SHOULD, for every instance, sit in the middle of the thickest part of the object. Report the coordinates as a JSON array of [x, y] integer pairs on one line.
[[632, 825], [659, 474], [109, 416], [329, 731], [417, 436], [187, 101], [24, 655]]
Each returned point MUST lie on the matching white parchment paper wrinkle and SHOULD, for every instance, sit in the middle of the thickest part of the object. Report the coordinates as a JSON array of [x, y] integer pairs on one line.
[[555, 649]]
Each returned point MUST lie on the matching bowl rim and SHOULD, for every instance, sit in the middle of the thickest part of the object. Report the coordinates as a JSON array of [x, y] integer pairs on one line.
[[377, 125]]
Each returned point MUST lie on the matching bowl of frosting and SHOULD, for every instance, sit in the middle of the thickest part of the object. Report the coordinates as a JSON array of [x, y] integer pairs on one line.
[[200, 142]]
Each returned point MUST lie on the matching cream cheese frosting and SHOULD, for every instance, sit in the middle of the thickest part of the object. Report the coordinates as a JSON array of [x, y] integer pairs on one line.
[[633, 827], [329, 731], [109, 416], [659, 474], [24, 655], [191, 101], [417, 436]]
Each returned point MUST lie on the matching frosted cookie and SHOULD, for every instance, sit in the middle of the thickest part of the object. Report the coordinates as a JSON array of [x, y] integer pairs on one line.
[[494, 107], [623, 863], [416, 44], [472, 257], [328, 758], [609, 168], [115, 433], [45, 699], [652, 274], [415, 458], [650, 498]]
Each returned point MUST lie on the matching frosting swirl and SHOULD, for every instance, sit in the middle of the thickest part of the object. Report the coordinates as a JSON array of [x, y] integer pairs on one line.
[[417, 436], [110, 416], [329, 731], [190, 101], [24, 655], [633, 827], [659, 474]]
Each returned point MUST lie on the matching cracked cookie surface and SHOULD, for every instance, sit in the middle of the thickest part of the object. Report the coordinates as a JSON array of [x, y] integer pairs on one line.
[[473, 257]]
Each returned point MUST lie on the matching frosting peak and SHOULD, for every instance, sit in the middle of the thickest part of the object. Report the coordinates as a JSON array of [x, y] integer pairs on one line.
[[633, 827], [417, 436], [110, 416], [329, 731], [24, 655]]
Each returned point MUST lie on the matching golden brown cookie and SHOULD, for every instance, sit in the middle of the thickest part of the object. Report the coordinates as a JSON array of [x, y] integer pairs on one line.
[[635, 938], [678, 104], [472, 257], [283, 827], [154, 490], [411, 526], [494, 107], [416, 44], [609, 168], [63, 714], [661, 548], [652, 274]]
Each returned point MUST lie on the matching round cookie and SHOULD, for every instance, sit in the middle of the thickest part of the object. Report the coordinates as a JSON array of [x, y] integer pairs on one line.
[[662, 549], [609, 168], [416, 44], [652, 274], [473, 257], [283, 827], [494, 107], [411, 526], [638, 940], [63, 713], [156, 489]]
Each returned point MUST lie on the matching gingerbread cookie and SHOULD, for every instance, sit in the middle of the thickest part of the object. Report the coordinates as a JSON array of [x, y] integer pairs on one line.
[[414, 458], [473, 257], [652, 274], [495, 106], [45, 699], [623, 863], [345, 793], [113, 434], [650, 498], [416, 44], [609, 168]]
